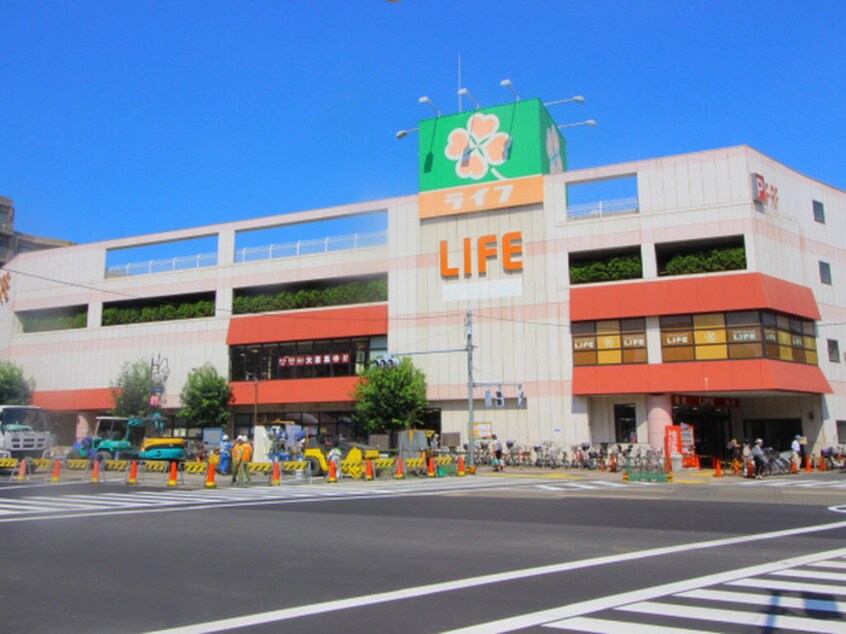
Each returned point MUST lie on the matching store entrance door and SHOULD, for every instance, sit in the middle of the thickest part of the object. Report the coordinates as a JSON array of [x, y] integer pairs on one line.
[[711, 420], [777, 433]]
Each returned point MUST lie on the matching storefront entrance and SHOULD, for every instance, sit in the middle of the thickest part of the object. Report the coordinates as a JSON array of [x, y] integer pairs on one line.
[[711, 421], [776, 433]]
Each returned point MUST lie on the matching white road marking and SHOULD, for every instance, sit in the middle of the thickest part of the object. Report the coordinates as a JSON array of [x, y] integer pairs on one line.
[[538, 618], [604, 626], [815, 575], [754, 619], [748, 598], [559, 615], [789, 586]]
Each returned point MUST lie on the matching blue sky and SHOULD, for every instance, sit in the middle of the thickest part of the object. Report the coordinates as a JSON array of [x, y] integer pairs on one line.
[[120, 118]]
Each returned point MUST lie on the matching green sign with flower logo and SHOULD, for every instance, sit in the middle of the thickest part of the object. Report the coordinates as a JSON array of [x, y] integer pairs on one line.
[[509, 141]]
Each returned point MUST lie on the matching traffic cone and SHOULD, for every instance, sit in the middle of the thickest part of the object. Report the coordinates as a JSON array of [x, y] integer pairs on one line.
[[432, 472], [276, 477], [794, 468], [613, 463], [368, 470], [210, 483], [821, 464], [808, 464], [400, 474], [696, 464], [461, 470], [718, 469], [22, 469], [333, 472], [57, 470], [132, 478], [173, 476], [95, 472]]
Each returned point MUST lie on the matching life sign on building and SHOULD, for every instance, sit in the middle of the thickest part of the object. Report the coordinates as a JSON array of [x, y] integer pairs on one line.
[[492, 158], [764, 192], [474, 256]]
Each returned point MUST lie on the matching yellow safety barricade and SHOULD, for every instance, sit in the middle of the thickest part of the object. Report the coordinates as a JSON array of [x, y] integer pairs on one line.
[[195, 467], [8, 463], [80, 464]]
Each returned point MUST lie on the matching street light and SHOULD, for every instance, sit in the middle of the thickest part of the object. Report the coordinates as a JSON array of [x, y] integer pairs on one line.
[[463, 92], [576, 99], [506, 83], [589, 122], [428, 101], [404, 133]]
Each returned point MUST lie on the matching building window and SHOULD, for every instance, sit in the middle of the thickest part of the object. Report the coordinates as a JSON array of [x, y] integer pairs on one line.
[[625, 423], [819, 212], [299, 359], [841, 432], [825, 273], [748, 334], [834, 350], [609, 342]]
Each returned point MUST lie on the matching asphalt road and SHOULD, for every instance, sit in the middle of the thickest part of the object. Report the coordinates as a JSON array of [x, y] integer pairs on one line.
[[414, 557]]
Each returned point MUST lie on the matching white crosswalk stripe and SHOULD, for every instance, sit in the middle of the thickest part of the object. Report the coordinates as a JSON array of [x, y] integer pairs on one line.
[[591, 485], [162, 499], [815, 601], [796, 483]]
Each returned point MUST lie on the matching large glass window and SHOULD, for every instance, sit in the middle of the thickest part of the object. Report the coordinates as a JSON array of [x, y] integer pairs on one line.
[[747, 334], [825, 273], [609, 342], [834, 350], [300, 359]]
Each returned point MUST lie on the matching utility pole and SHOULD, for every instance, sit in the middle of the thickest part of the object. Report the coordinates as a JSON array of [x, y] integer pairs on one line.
[[471, 444]]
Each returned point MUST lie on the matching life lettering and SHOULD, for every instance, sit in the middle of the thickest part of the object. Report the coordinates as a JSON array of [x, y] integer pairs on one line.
[[487, 248]]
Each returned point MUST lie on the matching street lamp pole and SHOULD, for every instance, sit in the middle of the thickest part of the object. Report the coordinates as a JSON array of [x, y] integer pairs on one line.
[[471, 448]]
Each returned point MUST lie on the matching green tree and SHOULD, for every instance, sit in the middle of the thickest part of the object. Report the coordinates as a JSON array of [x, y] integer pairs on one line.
[[390, 397], [15, 388], [131, 391], [205, 398]]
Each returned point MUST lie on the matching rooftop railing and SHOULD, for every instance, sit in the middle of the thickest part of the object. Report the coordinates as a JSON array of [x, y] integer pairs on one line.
[[253, 254], [603, 209], [312, 247]]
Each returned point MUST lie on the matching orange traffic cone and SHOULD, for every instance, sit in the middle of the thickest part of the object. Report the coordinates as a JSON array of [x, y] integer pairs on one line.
[[276, 474], [461, 470], [22, 469], [95, 472], [368, 470], [718, 469], [432, 472], [821, 464], [808, 464], [794, 468], [57, 471], [210, 483], [173, 476], [613, 463], [333, 472], [400, 474], [132, 478]]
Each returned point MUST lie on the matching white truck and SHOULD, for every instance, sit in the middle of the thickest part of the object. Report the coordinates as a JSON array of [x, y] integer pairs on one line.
[[26, 431]]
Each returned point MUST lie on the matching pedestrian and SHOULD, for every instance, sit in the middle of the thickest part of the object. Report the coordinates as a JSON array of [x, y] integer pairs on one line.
[[244, 476], [760, 458], [796, 447], [225, 454], [237, 450], [497, 461], [334, 455]]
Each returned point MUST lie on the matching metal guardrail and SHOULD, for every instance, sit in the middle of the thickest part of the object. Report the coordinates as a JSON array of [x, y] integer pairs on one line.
[[603, 209], [312, 247], [182, 263], [253, 254]]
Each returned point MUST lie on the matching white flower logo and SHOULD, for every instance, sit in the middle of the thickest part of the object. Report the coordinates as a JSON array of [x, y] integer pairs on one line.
[[710, 336], [478, 148]]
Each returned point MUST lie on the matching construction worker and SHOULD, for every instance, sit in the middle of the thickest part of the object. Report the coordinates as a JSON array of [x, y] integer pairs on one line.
[[246, 458], [237, 452], [225, 454]]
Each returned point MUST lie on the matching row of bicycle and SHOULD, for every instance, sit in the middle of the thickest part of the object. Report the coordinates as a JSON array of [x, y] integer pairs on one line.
[[582, 456]]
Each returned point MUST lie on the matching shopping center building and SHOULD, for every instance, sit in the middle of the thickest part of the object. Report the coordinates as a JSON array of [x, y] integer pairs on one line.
[[706, 295]]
